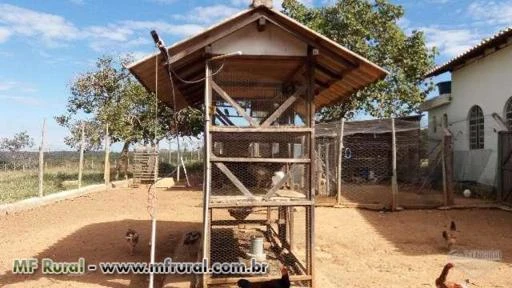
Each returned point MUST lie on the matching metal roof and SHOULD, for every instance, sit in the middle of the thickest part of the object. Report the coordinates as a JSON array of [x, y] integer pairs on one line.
[[339, 72], [498, 41]]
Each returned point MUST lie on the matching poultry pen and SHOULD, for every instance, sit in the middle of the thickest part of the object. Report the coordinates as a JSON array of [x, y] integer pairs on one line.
[[259, 78], [361, 171]]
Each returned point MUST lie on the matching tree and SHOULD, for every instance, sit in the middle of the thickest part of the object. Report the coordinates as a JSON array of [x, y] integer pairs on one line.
[[19, 142], [370, 28], [110, 95]]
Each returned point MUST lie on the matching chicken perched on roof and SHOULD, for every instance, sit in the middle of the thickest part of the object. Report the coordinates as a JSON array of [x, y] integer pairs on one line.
[[132, 238]]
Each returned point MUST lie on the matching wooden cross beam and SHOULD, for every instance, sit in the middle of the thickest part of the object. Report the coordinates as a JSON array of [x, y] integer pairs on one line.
[[224, 118], [233, 103], [222, 167], [280, 110], [279, 184]]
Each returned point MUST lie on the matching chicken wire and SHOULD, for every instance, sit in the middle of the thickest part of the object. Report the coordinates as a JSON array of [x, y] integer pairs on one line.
[[257, 169], [367, 163]]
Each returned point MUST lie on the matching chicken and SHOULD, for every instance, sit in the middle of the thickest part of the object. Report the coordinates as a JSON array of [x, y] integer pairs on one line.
[[441, 281], [240, 213], [283, 282], [449, 236], [132, 238], [191, 242]]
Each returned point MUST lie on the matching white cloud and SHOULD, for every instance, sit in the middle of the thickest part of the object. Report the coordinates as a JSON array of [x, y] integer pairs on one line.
[[4, 34], [10, 85], [32, 101], [48, 27], [491, 12], [451, 42], [55, 31], [7, 85], [208, 14]]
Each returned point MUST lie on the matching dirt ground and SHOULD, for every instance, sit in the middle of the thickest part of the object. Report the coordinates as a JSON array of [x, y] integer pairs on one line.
[[353, 248]]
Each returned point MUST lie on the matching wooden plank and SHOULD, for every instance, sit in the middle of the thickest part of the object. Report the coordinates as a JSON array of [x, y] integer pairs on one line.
[[310, 210], [252, 203], [233, 103], [258, 160], [279, 184], [286, 104], [208, 172], [256, 279], [280, 129], [448, 158], [340, 162], [233, 179], [394, 184]]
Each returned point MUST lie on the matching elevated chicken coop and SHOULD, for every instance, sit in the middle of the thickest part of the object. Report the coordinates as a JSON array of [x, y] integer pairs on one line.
[[259, 76]]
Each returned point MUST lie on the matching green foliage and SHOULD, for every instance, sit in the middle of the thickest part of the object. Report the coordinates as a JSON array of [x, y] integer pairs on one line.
[[13, 147], [370, 28], [110, 95], [17, 143]]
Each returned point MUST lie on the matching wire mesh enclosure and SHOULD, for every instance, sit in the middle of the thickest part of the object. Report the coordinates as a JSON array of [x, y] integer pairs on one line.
[[258, 178], [361, 170]]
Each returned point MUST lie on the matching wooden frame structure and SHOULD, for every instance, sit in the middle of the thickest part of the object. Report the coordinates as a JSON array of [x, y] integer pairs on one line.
[[259, 108]]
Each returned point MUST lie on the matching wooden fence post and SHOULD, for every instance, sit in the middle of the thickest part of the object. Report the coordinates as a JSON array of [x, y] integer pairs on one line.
[[41, 159], [340, 162], [81, 164], [106, 175], [448, 168], [394, 181]]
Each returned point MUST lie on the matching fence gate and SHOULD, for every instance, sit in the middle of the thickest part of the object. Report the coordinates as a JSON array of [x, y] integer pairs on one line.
[[505, 166]]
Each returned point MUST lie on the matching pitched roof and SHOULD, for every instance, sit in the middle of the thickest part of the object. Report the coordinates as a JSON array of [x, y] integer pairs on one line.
[[498, 41], [339, 71]]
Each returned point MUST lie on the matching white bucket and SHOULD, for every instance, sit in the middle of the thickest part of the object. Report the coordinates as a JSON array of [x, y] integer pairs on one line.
[[257, 249]]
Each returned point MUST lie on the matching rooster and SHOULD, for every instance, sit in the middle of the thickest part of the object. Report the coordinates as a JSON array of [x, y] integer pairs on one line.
[[283, 282], [132, 238], [441, 281], [449, 236]]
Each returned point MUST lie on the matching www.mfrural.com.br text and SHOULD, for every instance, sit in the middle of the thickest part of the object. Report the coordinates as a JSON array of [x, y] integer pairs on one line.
[[49, 266]]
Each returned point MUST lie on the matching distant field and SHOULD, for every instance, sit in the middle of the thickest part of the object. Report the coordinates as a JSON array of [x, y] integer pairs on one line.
[[19, 185]]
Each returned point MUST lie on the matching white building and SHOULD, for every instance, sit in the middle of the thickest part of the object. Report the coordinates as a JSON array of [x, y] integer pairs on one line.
[[476, 108]]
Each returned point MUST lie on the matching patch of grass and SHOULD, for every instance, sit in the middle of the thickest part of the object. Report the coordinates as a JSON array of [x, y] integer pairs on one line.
[[18, 185]]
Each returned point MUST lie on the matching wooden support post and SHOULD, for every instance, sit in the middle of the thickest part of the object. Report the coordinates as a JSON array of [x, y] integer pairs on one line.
[[310, 210], [82, 147], [41, 159], [317, 167], [207, 168], [448, 168], [282, 225], [394, 182], [327, 171], [106, 174], [339, 177]]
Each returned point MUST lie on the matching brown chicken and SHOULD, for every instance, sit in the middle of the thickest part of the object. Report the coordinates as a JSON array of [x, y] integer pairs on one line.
[[441, 281], [283, 282], [132, 238], [449, 236]]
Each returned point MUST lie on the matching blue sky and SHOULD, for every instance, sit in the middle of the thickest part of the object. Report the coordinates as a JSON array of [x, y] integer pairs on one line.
[[44, 44]]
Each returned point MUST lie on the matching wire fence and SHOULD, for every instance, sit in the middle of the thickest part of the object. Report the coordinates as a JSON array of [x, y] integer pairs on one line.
[[52, 167], [387, 166]]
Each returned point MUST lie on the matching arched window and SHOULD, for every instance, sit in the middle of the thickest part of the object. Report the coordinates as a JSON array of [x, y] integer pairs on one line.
[[508, 113], [476, 128]]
